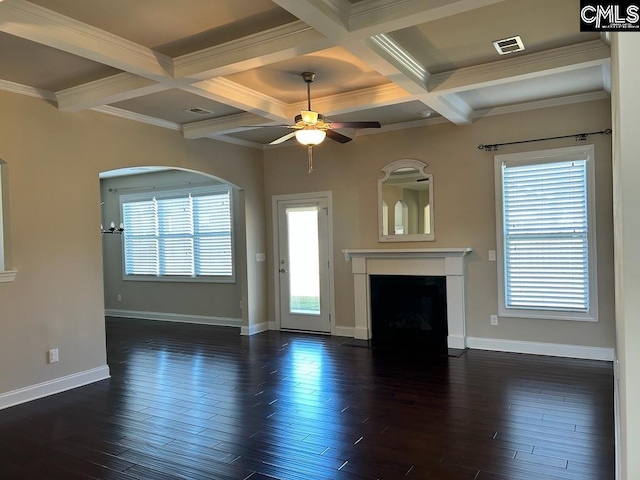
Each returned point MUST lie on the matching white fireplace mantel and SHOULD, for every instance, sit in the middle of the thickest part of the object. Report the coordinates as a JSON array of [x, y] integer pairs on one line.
[[446, 262]]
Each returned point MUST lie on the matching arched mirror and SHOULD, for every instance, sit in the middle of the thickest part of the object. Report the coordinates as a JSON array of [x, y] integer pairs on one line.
[[405, 202]]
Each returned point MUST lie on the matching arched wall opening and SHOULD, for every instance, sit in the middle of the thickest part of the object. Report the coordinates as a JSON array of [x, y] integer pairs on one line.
[[206, 302]]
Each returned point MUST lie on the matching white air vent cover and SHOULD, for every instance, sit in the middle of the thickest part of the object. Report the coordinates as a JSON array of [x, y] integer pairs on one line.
[[509, 45], [199, 111]]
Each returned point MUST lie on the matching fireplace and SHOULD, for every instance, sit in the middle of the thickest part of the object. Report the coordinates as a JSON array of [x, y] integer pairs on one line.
[[448, 263], [409, 313]]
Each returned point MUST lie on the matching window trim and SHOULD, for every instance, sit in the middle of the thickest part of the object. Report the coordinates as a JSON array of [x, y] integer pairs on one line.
[[582, 152], [5, 275], [1, 220], [176, 193]]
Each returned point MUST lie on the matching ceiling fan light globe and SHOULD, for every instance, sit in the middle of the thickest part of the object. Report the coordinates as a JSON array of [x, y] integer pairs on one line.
[[309, 116], [310, 136]]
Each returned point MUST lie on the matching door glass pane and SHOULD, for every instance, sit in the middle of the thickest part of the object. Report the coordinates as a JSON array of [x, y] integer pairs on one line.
[[304, 260]]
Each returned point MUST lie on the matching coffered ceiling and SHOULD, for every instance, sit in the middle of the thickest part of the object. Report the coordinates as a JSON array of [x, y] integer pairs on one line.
[[404, 63]]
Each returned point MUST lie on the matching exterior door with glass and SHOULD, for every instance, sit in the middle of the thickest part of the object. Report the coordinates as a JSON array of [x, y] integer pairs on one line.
[[303, 265]]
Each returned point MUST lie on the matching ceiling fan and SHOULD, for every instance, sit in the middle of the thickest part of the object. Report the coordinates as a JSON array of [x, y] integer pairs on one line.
[[311, 128]]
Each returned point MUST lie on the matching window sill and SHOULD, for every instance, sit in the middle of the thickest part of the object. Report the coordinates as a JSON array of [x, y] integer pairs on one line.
[[7, 276], [177, 279], [547, 315]]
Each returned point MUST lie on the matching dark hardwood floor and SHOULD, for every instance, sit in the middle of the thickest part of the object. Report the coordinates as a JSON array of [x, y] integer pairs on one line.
[[197, 402]]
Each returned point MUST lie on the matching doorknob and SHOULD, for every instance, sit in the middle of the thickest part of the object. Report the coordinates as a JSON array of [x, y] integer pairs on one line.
[[282, 270]]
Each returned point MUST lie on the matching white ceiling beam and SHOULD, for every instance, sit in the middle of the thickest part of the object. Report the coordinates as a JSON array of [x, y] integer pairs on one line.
[[116, 88], [559, 60], [372, 97], [218, 126], [274, 45], [238, 96], [138, 117], [452, 107], [382, 16], [365, 37], [331, 105], [606, 77], [396, 64], [37, 24], [329, 17]]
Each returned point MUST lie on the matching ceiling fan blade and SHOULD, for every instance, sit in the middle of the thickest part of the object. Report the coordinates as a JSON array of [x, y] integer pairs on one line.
[[284, 138], [338, 137], [355, 124]]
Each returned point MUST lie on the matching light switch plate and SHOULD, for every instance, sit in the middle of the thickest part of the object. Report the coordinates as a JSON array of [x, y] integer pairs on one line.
[[492, 255], [260, 257]]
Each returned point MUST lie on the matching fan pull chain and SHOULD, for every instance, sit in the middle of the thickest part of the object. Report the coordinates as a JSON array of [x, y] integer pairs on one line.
[[310, 151]]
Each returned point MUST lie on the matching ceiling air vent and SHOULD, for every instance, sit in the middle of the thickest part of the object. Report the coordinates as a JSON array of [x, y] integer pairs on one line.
[[199, 111], [509, 45]]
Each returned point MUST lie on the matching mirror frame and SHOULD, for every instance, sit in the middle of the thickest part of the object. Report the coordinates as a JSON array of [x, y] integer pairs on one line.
[[387, 170]]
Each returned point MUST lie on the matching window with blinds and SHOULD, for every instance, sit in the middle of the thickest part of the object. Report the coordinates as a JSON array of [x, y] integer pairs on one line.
[[178, 234], [546, 237]]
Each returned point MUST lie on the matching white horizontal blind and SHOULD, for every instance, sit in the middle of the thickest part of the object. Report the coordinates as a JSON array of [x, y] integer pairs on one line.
[[546, 250], [212, 224], [140, 237], [179, 233]]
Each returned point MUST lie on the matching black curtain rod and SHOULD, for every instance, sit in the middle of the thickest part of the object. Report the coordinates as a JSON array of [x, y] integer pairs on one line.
[[580, 137]]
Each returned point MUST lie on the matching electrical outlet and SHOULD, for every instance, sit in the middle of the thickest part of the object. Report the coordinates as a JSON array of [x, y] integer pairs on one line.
[[53, 355], [119, 297], [494, 320], [492, 255]]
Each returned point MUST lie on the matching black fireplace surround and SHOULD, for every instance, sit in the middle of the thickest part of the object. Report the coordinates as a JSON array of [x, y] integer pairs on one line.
[[409, 313]]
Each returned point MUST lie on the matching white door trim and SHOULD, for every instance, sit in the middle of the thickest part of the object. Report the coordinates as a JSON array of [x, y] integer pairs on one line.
[[276, 250]]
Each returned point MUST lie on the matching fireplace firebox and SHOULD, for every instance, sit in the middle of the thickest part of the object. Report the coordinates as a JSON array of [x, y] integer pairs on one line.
[[409, 313]]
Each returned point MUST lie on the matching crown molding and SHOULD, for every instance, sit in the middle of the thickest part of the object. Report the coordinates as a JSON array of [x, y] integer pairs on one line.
[[561, 59], [535, 105], [20, 89], [138, 117], [275, 44], [388, 47], [41, 25], [423, 122], [237, 141]]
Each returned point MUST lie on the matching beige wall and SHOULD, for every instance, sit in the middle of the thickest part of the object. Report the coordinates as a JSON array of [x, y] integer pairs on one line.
[[464, 208], [53, 160], [187, 298]]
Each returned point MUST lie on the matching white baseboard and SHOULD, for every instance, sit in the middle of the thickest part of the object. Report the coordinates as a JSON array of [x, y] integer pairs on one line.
[[342, 331], [273, 326], [455, 342], [537, 348], [361, 333], [255, 328], [617, 419], [175, 317], [51, 387]]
